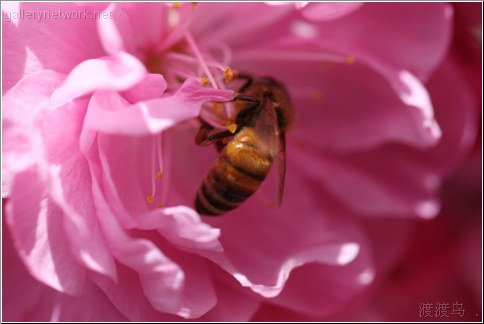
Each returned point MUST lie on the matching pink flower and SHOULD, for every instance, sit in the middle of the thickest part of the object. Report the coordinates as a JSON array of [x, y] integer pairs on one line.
[[100, 167]]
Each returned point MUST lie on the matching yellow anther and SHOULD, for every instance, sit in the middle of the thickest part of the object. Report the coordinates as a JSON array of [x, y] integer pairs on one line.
[[232, 128], [150, 199], [350, 59], [158, 175], [176, 5], [228, 74], [160, 205], [235, 72], [205, 81]]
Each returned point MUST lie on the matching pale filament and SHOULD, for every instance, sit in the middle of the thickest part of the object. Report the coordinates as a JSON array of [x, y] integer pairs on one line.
[[156, 165], [201, 60], [190, 59]]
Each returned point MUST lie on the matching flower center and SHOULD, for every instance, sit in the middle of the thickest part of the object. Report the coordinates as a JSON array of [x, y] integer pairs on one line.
[[182, 59]]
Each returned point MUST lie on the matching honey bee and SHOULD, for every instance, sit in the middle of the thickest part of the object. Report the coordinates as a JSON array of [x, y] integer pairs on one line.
[[265, 114]]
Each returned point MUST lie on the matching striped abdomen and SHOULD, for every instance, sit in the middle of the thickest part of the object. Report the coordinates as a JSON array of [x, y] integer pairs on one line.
[[238, 173]]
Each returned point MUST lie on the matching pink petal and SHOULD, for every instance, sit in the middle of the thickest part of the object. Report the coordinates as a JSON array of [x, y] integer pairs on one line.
[[13, 51], [126, 194], [183, 227], [234, 302], [108, 114], [210, 16], [36, 226], [400, 180], [389, 239], [169, 284], [54, 136], [343, 107], [151, 87], [142, 301], [328, 11], [70, 186], [141, 26], [165, 285], [23, 291], [254, 237], [320, 290], [57, 44], [111, 39], [272, 313], [117, 72], [377, 184], [456, 110], [355, 35], [160, 278], [128, 297], [22, 146], [29, 300], [184, 16]]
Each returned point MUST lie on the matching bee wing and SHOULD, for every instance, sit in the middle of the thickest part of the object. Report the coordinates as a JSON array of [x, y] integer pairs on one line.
[[282, 167], [272, 142]]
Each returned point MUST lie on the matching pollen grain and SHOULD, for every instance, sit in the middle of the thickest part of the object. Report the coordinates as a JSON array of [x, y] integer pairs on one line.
[[204, 81], [158, 175], [232, 128], [228, 74]]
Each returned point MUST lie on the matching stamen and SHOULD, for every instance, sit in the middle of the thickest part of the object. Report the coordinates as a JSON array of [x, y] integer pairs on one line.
[[165, 148], [228, 75], [153, 167], [160, 205], [194, 5], [184, 58], [176, 5], [224, 50], [200, 58], [159, 154], [232, 128], [159, 175], [204, 81]]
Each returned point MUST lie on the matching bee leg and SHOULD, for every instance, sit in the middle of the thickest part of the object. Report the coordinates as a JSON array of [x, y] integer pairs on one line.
[[247, 83], [208, 135], [245, 116], [250, 99]]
